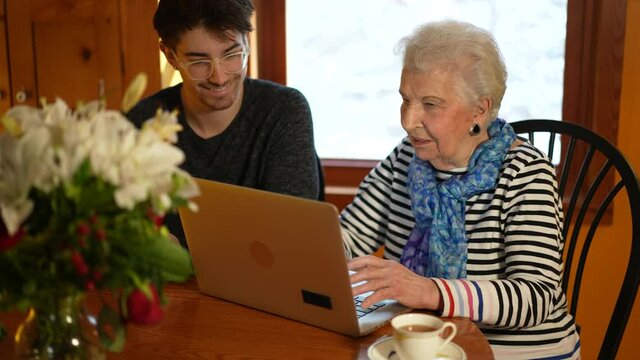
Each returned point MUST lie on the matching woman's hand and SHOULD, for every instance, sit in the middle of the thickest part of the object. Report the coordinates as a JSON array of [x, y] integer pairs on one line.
[[391, 280]]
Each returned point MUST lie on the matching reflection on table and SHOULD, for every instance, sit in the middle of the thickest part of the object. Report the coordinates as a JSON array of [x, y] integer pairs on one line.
[[197, 326]]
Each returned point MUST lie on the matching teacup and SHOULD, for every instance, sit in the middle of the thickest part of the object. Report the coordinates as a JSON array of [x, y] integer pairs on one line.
[[419, 336]]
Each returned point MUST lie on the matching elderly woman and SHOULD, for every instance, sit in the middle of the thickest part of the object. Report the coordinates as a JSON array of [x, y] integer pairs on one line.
[[469, 216]]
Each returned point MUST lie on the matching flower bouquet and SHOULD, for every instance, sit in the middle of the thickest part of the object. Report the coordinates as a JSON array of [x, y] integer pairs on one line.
[[82, 197]]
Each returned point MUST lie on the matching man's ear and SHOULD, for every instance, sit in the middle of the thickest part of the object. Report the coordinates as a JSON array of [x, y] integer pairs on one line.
[[245, 39], [169, 55]]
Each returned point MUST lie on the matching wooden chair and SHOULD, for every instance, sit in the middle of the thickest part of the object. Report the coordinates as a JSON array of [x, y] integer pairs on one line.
[[587, 162]]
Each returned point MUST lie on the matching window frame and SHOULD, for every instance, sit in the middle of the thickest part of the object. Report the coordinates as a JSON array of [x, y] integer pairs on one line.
[[592, 78]]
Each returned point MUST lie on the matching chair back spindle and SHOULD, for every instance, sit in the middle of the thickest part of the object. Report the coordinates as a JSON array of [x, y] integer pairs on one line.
[[589, 159]]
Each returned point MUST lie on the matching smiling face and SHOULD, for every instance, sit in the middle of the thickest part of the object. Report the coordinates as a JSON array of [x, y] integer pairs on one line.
[[438, 120], [221, 90]]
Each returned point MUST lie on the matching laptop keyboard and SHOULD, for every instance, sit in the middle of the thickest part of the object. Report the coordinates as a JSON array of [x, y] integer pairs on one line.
[[362, 311]]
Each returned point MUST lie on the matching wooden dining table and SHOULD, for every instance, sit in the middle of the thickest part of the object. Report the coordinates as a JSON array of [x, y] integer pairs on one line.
[[197, 326]]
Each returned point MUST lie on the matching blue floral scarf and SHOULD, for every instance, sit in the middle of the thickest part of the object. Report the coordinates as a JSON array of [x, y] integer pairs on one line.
[[437, 246]]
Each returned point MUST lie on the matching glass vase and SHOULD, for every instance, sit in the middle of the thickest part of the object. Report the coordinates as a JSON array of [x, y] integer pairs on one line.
[[59, 329]]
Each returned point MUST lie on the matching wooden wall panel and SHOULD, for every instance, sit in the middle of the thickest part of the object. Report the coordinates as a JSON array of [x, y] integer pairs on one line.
[[140, 42], [272, 55], [593, 76], [5, 90], [628, 143], [593, 64], [65, 48], [21, 56], [65, 52], [80, 49], [106, 20]]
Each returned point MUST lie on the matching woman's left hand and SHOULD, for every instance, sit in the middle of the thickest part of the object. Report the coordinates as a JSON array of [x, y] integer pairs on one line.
[[389, 279]]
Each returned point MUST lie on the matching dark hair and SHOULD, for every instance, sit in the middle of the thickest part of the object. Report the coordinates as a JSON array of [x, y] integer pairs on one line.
[[174, 17]]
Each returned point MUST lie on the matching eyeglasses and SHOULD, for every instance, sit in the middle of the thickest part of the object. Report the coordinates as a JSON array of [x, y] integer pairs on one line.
[[203, 69]]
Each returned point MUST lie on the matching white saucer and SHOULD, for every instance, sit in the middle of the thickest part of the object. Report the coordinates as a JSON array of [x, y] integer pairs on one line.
[[383, 348]]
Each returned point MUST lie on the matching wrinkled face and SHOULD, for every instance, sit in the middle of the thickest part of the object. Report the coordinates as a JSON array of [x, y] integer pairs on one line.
[[220, 90], [436, 119]]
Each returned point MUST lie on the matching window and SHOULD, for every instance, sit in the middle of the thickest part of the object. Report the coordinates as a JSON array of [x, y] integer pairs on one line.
[[350, 72], [592, 73]]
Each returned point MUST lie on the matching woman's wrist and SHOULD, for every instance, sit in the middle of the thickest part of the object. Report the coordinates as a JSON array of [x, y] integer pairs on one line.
[[434, 300]]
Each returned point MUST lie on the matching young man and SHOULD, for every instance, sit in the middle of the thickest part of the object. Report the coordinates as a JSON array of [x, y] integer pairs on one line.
[[236, 130]]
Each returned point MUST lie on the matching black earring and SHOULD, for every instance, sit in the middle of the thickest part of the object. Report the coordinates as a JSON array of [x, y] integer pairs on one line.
[[475, 130]]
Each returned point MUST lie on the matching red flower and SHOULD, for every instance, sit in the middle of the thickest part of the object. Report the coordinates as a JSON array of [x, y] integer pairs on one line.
[[101, 234], [89, 285], [142, 310], [96, 275], [83, 229], [156, 218], [8, 241], [79, 264]]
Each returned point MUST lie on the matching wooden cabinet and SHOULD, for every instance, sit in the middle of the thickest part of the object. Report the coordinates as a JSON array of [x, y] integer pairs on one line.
[[75, 49]]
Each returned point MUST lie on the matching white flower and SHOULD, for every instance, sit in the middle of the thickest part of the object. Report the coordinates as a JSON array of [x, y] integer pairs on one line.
[[25, 118], [72, 150], [21, 165], [148, 169], [134, 92], [188, 187], [87, 110], [69, 143], [165, 123], [57, 115], [44, 148], [111, 140]]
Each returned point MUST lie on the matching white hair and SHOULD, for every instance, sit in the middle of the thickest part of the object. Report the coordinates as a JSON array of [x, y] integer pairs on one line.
[[469, 52]]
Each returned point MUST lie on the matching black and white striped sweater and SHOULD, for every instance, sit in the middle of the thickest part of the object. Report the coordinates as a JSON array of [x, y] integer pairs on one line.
[[514, 265]]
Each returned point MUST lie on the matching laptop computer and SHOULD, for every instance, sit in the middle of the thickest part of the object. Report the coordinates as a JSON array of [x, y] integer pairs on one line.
[[277, 253]]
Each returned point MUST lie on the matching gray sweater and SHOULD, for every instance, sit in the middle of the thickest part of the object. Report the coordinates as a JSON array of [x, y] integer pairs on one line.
[[268, 146]]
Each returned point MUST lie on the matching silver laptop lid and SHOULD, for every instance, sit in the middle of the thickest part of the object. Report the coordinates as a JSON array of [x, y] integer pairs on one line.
[[273, 252]]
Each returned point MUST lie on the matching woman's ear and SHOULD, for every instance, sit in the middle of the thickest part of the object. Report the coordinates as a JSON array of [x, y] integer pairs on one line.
[[482, 110]]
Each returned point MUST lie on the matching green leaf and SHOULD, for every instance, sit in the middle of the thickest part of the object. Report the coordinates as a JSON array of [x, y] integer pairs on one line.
[[111, 329], [141, 285], [23, 304], [171, 259], [122, 300]]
